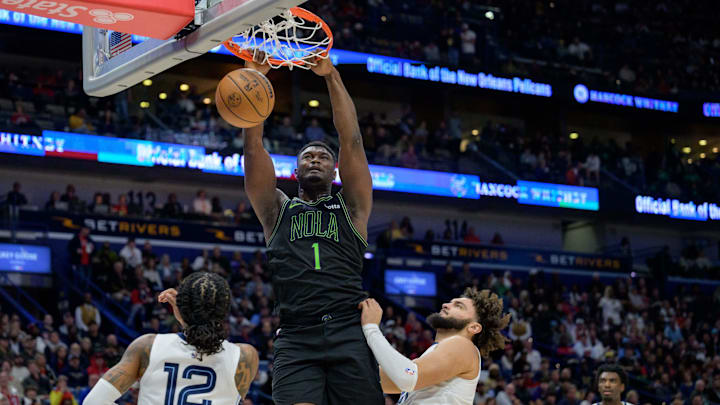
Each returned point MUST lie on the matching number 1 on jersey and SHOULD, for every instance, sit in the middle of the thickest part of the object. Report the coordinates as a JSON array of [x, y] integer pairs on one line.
[[316, 248]]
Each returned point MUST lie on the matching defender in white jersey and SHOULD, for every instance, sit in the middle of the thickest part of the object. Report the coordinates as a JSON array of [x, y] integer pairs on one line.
[[196, 366], [447, 373], [610, 380]]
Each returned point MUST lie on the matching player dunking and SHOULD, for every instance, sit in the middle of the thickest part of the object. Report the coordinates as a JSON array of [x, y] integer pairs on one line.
[[316, 244], [196, 366], [448, 372]]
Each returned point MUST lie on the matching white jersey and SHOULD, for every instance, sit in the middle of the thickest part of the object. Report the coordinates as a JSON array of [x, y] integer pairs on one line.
[[621, 402], [174, 375], [455, 391]]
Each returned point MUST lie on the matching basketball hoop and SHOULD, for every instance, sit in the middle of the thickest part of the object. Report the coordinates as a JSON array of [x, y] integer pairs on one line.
[[293, 39]]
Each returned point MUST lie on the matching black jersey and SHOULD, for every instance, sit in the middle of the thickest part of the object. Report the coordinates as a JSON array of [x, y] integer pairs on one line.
[[315, 256]]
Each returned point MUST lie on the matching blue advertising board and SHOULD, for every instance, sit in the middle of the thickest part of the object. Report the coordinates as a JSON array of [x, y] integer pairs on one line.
[[144, 153], [405, 282], [24, 258]]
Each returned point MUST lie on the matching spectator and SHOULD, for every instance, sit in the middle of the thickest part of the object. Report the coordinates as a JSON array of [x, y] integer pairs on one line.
[[99, 205], [121, 208], [611, 307], [78, 122], [626, 74], [243, 213], [92, 380], [201, 204], [470, 237], [314, 131], [20, 119], [76, 373], [15, 197], [31, 397], [70, 198], [54, 202], [7, 390], [131, 254], [497, 239], [81, 247], [284, 132], [592, 168], [219, 259], [37, 380], [432, 53], [172, 209], [18, 373], [217, 209], [86, 313], [61, 392], [580, 50], [467, 47], [140, 297]]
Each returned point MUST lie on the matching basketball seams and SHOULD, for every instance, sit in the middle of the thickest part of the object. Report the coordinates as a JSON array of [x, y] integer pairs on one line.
[[227, 107], [245, 95], [264, 85]]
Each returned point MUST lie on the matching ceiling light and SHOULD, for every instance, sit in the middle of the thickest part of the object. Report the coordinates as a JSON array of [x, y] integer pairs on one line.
[[207, 100], [313, 103], [686, 150], [702, 142], [574, 135], [147, 82], [475, 132], [184, 87], [162, 96], [144, 104]]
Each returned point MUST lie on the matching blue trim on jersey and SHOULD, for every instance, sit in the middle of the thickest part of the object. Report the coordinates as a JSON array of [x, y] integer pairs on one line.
[[182, 336]]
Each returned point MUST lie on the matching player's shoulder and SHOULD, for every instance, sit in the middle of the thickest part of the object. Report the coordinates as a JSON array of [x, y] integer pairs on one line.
[[143, 341], [458, 343], [247, 352]]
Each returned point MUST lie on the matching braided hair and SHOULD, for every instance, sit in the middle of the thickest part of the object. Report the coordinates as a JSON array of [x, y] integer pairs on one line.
[[489, 309], [204, 302]]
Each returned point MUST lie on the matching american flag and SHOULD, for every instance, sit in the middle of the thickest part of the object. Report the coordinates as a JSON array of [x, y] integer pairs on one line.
[[119, 43]]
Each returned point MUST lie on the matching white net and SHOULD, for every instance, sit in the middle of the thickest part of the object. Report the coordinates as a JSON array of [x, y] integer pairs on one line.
[[286, 40]]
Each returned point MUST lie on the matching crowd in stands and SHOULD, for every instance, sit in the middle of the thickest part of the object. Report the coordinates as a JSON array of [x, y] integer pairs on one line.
[[33, 100], [560, 333], [137, 204], [632, 46]]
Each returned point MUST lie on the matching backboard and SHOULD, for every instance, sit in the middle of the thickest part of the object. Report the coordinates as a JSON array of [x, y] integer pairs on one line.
[[221, 19]]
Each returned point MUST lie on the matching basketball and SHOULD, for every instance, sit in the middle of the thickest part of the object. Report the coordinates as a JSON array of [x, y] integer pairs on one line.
[[244, 98]]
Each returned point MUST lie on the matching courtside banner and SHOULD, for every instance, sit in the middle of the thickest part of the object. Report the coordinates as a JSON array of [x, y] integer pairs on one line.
[[512, 256], [59, 221], [159, 19]]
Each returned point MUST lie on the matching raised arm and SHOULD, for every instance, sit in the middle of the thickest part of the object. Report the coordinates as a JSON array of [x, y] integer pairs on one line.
[[246, 369], [352, 162], [123, 375], [454, 357], [260, 181]]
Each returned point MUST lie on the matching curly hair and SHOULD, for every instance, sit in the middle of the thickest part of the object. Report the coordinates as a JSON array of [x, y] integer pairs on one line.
[[611, 368], [489, 309], [204, 302]]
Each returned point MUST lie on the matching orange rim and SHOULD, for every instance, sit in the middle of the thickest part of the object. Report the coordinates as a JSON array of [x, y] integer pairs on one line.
[[246, 54]]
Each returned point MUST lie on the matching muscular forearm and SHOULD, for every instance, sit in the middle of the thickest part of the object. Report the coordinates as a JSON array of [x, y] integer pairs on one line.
[[344, 114]]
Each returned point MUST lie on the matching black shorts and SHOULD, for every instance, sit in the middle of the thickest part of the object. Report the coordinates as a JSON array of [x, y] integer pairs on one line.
[[328, 363]]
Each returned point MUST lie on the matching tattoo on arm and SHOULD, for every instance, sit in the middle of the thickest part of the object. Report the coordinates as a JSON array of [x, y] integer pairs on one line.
[[246, 369], [133, 364]]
